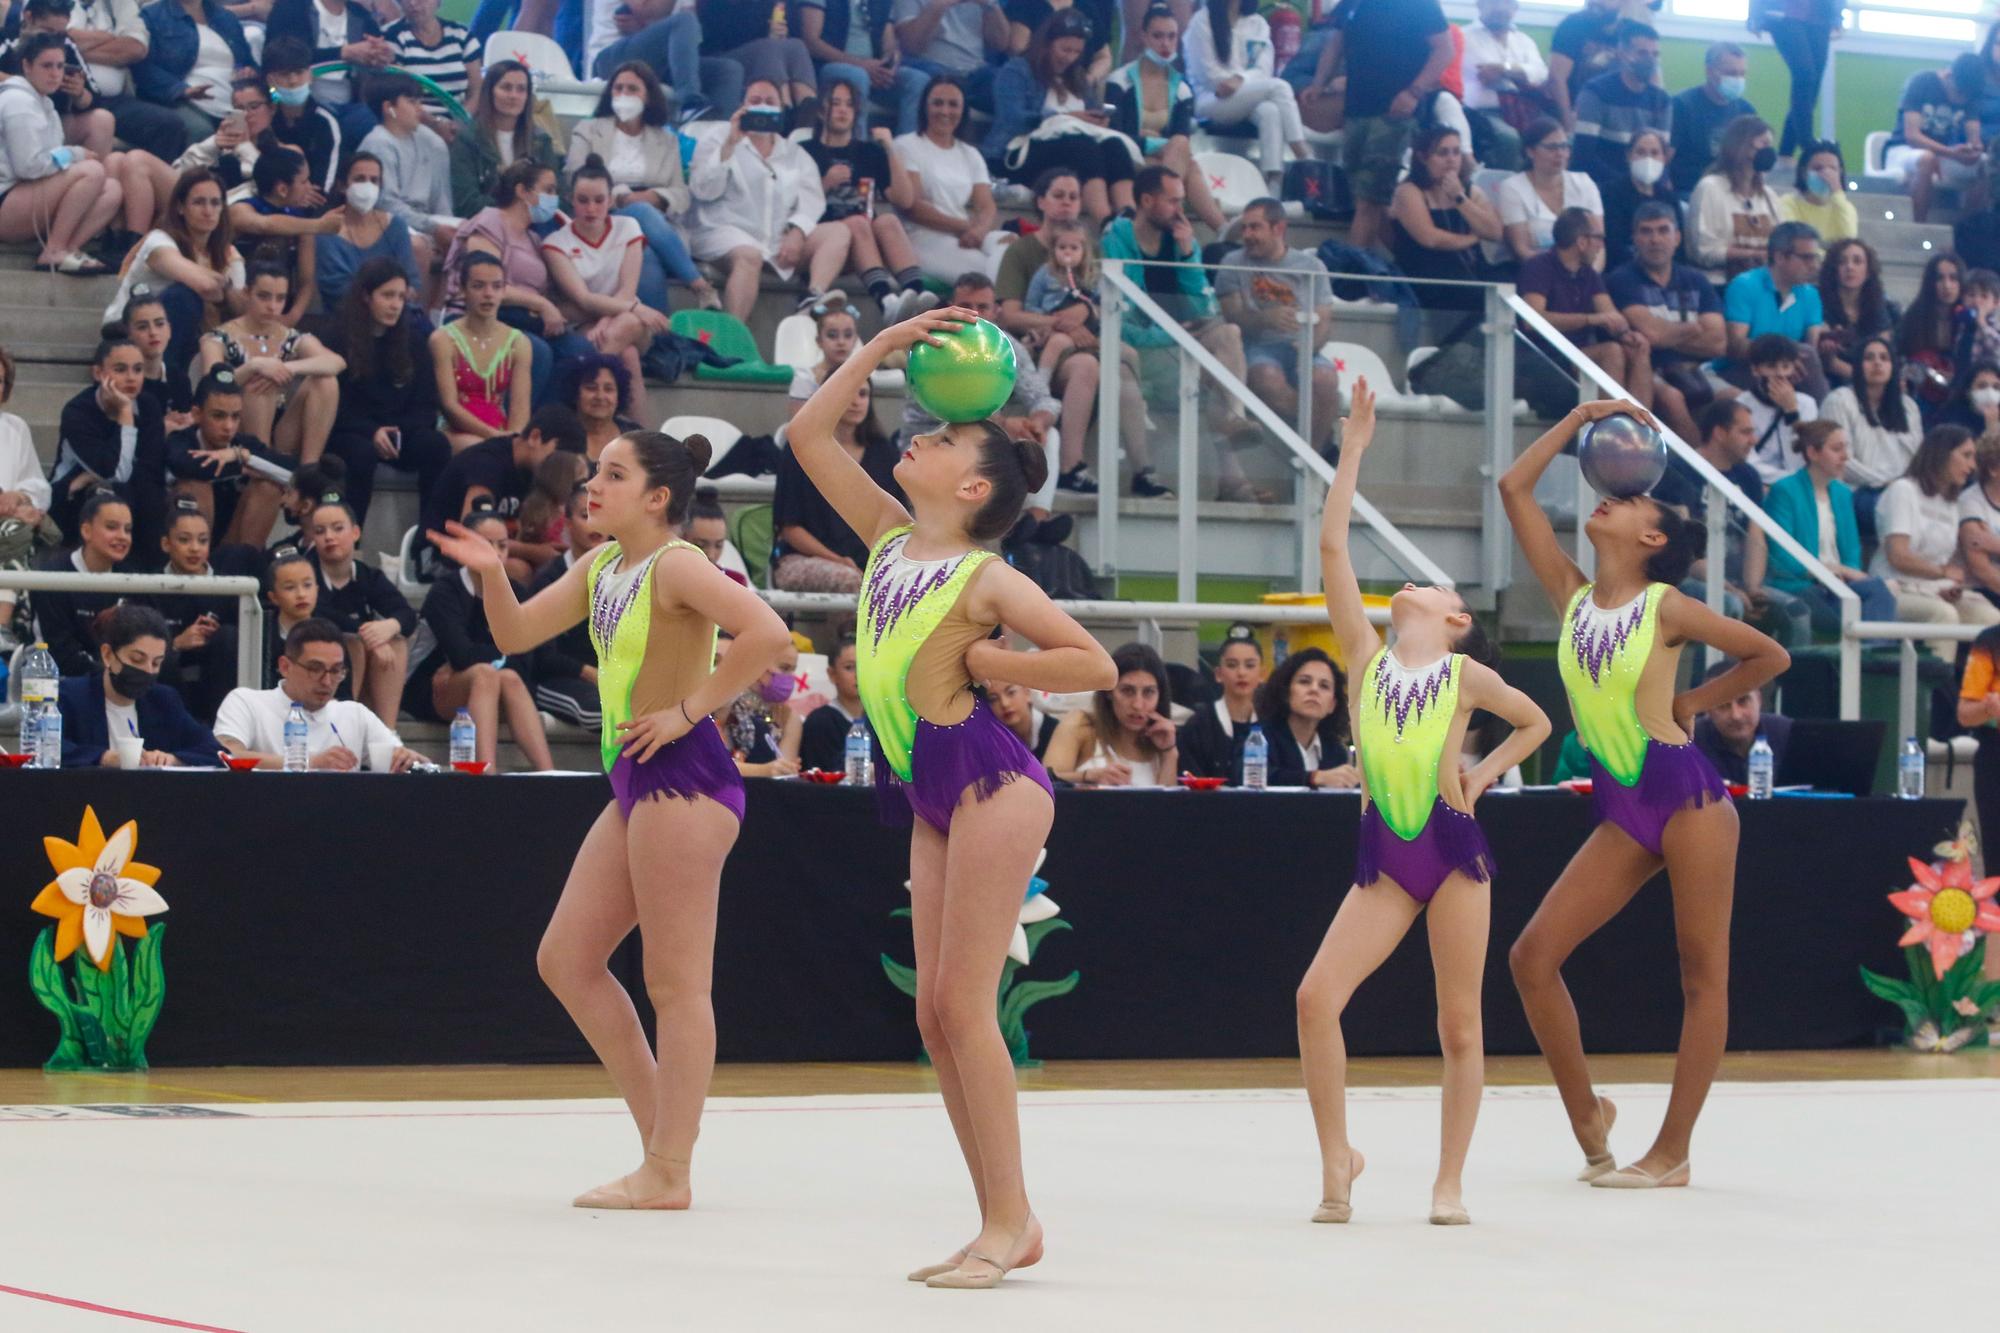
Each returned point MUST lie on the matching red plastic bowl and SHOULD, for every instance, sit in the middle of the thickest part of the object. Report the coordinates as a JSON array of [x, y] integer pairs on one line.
[[474, 766], [822, 776], [1193, 783], [15, 760], [240, 763]]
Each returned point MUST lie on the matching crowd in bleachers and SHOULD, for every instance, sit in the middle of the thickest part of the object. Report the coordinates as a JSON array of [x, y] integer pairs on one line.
[[345, 241]]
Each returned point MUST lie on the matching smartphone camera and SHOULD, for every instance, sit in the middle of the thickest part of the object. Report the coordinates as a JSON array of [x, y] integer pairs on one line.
[[764, 120]]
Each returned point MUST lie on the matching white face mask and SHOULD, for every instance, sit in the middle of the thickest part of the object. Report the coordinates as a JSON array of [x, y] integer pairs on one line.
[[1984, 398], [1648, 170], [362, 195], [628, 108]]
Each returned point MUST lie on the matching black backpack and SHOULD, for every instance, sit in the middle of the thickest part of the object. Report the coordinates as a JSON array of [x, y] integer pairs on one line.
[[1057, 570]]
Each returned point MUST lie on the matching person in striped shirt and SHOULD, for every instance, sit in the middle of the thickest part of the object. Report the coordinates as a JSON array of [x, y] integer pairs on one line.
[[444, 52]]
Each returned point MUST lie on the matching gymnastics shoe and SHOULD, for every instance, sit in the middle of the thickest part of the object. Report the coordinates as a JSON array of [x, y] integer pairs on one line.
[[1029, 1244], [1449, 1215], [929, 1271], [1602, 1163], [1634, 1178], [1342, 1210]]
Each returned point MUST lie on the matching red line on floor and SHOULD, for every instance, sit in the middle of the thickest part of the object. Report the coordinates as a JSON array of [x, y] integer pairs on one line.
[[95, 1308]]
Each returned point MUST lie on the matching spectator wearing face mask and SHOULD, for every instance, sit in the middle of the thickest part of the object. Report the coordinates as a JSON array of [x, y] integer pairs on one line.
[[1621, 103], [124, 697], [823, 736], [1820, 198], [1642, 181], [1702, 112]]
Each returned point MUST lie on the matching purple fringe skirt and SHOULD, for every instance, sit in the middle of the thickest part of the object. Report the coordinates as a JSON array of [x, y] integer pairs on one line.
[[698, 764], [980, 753], [1451, 842], [1672, 779]]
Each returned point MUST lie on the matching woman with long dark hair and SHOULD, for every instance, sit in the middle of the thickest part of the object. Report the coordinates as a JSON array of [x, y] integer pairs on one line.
[[1231, 63], [654, 857], [1437, 219], [1881, 421], [191, 260], [1854, 306], [1658, 800], [388, 395], [1047, 114], [1918, 522], [951, 221], [1151, 102], [1927, 338], [1303, 709], [1126, 737], [503, 131], [815, 550]]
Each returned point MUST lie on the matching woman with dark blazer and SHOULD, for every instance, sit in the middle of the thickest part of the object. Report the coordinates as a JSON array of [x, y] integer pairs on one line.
[[1304, 712], [1211, 742], [133, 651]]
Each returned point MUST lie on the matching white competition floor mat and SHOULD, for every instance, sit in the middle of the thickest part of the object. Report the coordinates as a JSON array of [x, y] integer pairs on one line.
[[1815, 1205]]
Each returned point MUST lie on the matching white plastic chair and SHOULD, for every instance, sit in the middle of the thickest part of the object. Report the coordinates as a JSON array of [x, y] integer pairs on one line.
[[568, 95], [722, 436], [1873, 149], [796, 343], [1355, 360], [1417, 356], [1233, 179], [406, 567]]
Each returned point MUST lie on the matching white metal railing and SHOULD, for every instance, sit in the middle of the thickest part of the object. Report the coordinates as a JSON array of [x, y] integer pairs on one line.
[[247, 592], [1721, 491], [1186, 613], [1116, 290]]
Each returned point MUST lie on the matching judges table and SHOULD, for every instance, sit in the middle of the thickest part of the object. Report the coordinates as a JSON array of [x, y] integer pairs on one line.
[[362, 919]]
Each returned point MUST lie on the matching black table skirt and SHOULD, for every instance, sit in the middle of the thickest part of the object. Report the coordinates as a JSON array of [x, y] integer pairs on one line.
[[354, 919]]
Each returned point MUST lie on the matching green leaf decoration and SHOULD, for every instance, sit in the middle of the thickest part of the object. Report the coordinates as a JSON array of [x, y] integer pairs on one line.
[[1041, 928], [118, 996], [1030, 993], [1904, 995], [1923, 975], [900, 911], [45, 979], [149, 993], [89, 984], [95, 1046], [902, 978]]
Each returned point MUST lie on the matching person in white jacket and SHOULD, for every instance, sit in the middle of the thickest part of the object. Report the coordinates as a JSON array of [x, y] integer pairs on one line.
[[1234, 80], [49, 191], [757, 201], [26, 531]]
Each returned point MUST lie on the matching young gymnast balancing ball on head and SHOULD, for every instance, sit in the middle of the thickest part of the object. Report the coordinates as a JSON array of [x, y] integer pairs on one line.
[[930, 597], [654, 857], [1658, 801], [1420, 846]]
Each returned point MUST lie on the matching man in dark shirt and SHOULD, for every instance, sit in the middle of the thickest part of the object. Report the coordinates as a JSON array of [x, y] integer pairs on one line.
[[1726, 732], [1620, 103], [1581, 48], [1564, 286], [302, 122], [1678, 312], [1701, 112], [497, 474], [1394, 51], [1937, 139]]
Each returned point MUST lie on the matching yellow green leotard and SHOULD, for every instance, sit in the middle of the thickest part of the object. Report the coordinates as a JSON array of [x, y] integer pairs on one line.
[[1601, 657], [897, 615], [1401, 729], [621, 618]]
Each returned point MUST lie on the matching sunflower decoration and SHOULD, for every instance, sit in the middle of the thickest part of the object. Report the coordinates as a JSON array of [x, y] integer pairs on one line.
[[1950, 913], [100, 897]]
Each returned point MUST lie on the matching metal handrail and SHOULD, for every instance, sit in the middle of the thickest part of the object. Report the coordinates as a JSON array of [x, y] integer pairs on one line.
[[1730, 492], [247, 591], [1386, 534]]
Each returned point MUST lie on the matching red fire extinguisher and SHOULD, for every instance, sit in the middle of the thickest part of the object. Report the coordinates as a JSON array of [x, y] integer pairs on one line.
[[1286, 33]]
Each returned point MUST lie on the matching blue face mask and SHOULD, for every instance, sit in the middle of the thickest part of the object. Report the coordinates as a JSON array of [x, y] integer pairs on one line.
[[1156, 57], [291, 96], [1818, 186], [543, 209], [1730, 86]]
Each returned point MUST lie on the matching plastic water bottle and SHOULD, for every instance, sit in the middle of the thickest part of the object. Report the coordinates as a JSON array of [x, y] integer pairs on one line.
[[1761, 764], [1256, 759], [48, 737], [464, 738], [1910, 771], [39, 679], [296, 758], [1281, 646], [860, 762]]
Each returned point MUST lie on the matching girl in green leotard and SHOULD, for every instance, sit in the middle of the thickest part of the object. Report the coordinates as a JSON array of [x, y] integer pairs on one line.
[[1659, 802], [1420, 846], [977, 802], [654, 857]]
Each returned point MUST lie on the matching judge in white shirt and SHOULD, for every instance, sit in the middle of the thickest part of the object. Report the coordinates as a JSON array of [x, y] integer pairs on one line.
[[758, 200], [340, 734], [1499, 58]]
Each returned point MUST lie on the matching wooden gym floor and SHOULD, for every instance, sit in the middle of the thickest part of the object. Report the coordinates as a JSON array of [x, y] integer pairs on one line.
[[19, 1087]]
